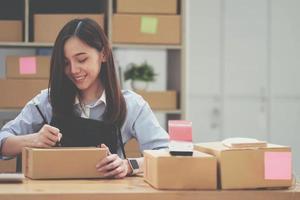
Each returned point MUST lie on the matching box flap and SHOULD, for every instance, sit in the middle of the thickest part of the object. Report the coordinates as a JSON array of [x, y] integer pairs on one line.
[[219, 147], [239, 142], [25, 153], [164, 153]]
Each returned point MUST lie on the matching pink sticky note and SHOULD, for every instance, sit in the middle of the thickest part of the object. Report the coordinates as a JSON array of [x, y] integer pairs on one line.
[[180, 130], [278, 165], [27, 65]]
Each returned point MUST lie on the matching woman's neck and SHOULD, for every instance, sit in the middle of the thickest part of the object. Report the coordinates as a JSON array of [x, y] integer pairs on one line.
[[90, 95]]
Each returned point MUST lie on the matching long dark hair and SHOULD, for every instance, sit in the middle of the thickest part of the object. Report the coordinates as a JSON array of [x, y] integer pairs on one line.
[[62, 91]]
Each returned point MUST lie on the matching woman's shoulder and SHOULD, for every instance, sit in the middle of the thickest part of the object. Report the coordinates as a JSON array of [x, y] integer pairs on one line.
[[133, 99], [42, 98]]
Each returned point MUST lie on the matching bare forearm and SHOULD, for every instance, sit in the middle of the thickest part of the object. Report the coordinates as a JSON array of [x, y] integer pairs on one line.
[[45, 138], [13, 145]]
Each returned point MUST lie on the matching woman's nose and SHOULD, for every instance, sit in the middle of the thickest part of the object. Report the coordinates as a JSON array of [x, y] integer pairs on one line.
[[74, 68]]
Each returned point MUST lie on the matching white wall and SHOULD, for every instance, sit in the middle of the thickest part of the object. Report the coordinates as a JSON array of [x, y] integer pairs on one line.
[[243, 70]]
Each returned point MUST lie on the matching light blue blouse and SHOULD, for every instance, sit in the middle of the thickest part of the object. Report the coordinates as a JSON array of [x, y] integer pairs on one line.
[[140, 122]]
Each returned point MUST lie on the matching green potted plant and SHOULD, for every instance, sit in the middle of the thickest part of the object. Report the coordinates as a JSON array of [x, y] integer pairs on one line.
[[140, 75]]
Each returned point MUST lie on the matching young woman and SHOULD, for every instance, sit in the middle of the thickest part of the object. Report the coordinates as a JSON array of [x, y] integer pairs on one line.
[[84, 105]]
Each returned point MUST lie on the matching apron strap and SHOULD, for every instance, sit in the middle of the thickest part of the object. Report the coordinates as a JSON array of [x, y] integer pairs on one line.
[[121, 141]]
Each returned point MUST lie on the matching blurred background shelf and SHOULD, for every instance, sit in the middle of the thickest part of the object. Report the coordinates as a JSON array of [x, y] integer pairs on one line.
[[167, 56]]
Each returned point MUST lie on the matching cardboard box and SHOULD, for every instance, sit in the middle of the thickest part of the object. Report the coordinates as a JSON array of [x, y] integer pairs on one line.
[[28, 67], [163, 100], [8, 166], [132, 149], [11, 31], [146, 29], [16, 93], [58, 163], [147, 6], [163, 171], [47, 26], [246, 168]]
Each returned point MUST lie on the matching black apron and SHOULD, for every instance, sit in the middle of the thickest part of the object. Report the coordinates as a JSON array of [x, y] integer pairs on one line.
[[82, 132]]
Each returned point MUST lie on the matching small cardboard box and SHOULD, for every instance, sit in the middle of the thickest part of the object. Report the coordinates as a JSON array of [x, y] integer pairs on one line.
[[8, 166], [47, 26], [249, 168], [164, 100], [146, 29], [16, 93], [163, 171], [58, 163], [147, 6], [28, 67], [11, 31]]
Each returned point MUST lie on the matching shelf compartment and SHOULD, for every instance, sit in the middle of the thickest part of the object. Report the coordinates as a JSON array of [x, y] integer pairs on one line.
[[12, 15], [63, 7]]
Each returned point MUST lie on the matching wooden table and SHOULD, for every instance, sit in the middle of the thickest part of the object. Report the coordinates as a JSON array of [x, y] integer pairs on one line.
[[131, 188]]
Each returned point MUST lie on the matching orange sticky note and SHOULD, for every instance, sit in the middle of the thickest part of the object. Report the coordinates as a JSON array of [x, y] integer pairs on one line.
[[278, 165], [27, 65], [180, 130]]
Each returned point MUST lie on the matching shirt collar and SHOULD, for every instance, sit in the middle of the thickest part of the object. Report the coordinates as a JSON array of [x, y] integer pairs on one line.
[[102, 99]]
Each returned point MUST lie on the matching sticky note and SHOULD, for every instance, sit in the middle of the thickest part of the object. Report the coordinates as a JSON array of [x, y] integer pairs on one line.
[[149, 25], [278, 165], [27, 65], [180, 130]]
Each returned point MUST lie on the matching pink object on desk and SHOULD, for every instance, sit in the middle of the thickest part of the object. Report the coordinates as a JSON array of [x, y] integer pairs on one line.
[[27, 65], [180, 130], [278, 165]]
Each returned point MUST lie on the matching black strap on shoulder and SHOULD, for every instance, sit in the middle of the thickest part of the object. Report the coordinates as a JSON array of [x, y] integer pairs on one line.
[[121, 141]]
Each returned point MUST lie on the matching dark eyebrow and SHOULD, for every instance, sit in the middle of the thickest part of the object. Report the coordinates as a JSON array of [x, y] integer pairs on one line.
[[77, 54], [81, 53]]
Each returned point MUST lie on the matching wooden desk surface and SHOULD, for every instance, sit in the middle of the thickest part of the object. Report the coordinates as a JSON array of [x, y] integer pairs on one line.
[[131, 188]]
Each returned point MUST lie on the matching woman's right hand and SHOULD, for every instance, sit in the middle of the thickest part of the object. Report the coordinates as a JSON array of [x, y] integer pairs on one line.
[[46, 137]]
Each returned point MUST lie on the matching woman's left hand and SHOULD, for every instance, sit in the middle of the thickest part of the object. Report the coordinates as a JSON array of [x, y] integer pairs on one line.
[[113, 166]]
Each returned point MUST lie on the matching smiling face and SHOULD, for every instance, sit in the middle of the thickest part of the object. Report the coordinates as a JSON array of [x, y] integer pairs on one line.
[[82, 66]]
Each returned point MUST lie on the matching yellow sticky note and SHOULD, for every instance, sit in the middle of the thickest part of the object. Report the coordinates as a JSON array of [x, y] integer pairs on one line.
[[149, 25]]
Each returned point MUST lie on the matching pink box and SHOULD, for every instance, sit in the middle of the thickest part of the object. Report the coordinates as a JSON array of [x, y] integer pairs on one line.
[[180, 130]]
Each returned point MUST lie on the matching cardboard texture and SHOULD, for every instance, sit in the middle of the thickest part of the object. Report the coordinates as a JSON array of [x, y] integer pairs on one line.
[[27, 67], [146, 29], [8, 166], [59, 163], [132, 149], [163, 171], [54, 23], [238, 142], [164, 100], [147, 6], [244, 168], [20, 91], [11, 31]]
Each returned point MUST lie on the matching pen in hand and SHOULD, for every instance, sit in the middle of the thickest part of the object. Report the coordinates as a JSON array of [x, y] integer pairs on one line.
[[58, 143]]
